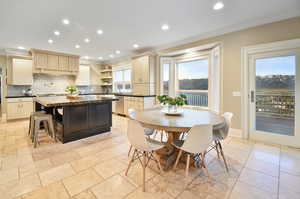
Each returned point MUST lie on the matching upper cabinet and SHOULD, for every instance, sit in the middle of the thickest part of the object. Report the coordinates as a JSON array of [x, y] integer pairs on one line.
[[143, 69], [83, 77], [54, 63], [19, 71]]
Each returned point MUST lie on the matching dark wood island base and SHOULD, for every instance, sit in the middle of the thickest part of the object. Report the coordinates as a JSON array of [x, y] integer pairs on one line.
[[74, 121]]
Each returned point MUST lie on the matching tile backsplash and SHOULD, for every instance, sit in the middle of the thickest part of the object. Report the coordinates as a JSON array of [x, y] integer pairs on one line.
[[47, 84]]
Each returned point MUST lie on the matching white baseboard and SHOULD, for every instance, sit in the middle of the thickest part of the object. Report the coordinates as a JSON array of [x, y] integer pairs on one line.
[[235, 133]]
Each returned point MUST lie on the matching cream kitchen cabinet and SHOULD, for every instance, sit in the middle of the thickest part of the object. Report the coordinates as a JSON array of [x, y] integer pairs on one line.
[[143, 70], [63, 63], [19, 71], [18, 108], [138, 103], [83, 76], [54, 62]]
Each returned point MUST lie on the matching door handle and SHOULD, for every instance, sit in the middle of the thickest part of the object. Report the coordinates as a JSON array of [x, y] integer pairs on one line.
[[252, 96]]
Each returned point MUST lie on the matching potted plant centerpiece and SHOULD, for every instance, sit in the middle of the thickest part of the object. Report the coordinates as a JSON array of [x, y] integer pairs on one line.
[[72, 92], [172, 103]]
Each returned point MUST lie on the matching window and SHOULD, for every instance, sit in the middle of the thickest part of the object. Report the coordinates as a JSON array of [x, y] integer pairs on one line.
[[193, 81], [166, 78], [122, 80]]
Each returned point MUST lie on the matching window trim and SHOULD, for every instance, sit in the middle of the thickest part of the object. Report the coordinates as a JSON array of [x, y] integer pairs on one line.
[[190, 59], [122, 82]]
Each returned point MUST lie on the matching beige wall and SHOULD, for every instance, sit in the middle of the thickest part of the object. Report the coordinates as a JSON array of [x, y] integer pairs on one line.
[[232, 45]]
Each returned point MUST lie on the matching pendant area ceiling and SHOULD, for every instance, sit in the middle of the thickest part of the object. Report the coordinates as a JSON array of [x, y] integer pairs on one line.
[[31, 23]]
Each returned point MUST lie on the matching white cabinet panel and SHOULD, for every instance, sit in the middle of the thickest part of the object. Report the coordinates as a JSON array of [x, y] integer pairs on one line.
[[20, 72], [83, 77], [18, 108]]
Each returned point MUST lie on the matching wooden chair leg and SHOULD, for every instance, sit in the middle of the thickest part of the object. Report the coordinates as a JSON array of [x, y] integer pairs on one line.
[[204, 166], [156, 156], [130, 162], [187, 165], [216, 147], [223, 156], [177, 159], [144, 170], [129, 150]]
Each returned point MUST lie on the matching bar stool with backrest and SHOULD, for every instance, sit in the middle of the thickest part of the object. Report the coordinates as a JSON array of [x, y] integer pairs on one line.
[[47, 121], [221, 133], [144, 150], [197, 142]]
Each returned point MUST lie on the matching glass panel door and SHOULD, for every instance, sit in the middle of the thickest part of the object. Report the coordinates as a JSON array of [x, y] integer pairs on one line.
[[273, 99]]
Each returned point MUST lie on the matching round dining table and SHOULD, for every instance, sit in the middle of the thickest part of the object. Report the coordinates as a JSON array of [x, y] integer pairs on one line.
[[174, 125]]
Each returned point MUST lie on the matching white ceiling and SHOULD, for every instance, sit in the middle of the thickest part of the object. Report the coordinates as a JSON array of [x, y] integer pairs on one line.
[[30, 23]]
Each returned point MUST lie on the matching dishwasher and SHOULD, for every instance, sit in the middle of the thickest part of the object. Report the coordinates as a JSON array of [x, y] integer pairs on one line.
[[119, 105]]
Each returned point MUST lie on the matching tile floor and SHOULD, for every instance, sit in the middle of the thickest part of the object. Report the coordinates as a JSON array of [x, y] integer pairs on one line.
[[94, 168]]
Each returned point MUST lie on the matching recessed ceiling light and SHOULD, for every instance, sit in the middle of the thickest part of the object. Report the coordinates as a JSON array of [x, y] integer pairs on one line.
[[56, 32], [66, 21], [77, 46], [86, 57], [21, 48], [87, 40], [219, 5], [111, 56], [50, 41], [100, 32], [100, 58], [118, 52], [135, 45], [165, 27]]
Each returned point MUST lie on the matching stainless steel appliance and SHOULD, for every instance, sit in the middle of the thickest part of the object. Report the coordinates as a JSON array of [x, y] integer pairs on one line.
[[119, 105]]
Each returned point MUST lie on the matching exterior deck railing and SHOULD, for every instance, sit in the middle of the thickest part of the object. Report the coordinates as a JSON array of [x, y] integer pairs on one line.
[[275, 103], [196, 98]]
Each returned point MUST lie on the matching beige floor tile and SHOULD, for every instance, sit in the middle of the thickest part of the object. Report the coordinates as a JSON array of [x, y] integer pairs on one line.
[[85, 195], [151, 191], [27, 184], [81, 181], [56, 174], [289, 182], [84, 163], [115, 187], [259, 180], [64, 158], [246, 191], [290, 165], [110, 167], [43, 165], [262, 166], [51, 191], [187, 195], [135, 174], [9, 175]]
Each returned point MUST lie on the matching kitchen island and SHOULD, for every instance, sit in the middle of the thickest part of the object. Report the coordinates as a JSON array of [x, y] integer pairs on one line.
[[78, 118]]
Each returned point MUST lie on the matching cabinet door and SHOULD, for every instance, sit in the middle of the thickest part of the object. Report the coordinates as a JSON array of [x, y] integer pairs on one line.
[[53, 62], [140, 69], [41, 60], [63, 63], [73, 64], [21, 72], [27, 108], [83, 77]]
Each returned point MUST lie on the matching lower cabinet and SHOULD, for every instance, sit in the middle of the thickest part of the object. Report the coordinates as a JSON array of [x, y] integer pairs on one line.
[[138, 103], [18, 108]]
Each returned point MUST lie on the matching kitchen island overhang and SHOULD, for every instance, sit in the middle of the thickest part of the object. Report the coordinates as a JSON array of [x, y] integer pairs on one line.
[[78, 118]]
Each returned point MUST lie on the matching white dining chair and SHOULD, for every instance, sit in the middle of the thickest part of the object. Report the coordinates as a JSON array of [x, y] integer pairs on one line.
[[198, 139], [220, 133], [143, 148]]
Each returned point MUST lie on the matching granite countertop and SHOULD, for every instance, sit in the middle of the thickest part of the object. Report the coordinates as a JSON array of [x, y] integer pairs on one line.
[[64, 101], [19, 96], [132, 95]]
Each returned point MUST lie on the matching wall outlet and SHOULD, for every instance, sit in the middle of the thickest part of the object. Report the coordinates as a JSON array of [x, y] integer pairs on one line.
[[236, 94]]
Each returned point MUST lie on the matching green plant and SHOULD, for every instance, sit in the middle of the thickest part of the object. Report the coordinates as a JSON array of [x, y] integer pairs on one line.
[[71, 89], [177, 101]]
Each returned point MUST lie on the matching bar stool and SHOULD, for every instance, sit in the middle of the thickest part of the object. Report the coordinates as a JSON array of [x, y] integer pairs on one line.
[[31, 126], [47, 121]]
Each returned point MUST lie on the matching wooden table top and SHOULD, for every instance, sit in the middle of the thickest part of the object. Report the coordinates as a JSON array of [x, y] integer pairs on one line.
[[154, 118]]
